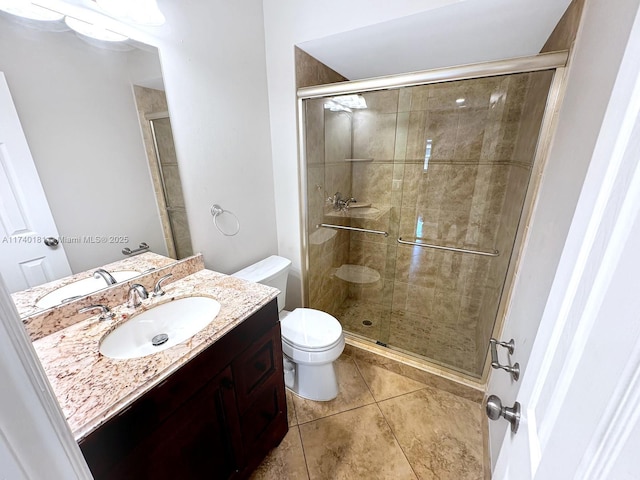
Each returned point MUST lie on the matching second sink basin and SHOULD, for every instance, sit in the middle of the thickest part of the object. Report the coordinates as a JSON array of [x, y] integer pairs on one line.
[[160, 327], [81, 288]]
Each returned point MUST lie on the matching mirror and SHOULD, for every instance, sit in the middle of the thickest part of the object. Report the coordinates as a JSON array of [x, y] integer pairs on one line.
[[86, 113]]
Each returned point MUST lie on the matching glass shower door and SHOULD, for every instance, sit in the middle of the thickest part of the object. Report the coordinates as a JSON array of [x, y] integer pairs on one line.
[[350, 168], [414, 199], [469, 152]]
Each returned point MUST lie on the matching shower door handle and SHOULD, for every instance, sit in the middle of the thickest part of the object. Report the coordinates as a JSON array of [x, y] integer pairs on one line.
[[495, 362]]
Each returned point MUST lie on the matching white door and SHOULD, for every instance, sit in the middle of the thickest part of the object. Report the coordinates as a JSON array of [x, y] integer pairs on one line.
[[25, 217], [580, 391]]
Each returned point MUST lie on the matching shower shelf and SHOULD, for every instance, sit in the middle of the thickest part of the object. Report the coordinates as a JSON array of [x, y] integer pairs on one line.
[[358, 159], [494, 253]]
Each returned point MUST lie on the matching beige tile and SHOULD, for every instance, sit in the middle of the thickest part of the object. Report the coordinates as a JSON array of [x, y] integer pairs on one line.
[[383, 101], [353, 445], [310, 71], [373, 134], [284, 461], [314, 131], [292, 418], [440, 434], [353, 393], [432, 379], [337, 136], [385, 384]]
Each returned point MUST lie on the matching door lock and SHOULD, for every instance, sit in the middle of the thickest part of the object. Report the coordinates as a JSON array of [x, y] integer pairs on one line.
[[495, 410]]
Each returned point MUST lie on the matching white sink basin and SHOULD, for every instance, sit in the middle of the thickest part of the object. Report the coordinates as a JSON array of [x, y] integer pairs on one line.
[[81, 288], [178, 320]]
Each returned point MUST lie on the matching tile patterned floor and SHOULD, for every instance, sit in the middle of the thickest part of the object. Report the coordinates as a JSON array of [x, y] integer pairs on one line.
[[382, 425]]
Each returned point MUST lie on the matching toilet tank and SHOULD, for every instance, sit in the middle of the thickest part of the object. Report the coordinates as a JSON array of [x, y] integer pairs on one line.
[[271, 271]]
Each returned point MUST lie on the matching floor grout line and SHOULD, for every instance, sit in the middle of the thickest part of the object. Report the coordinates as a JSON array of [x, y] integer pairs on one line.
[[337, 413], [396, 439], [367, 403], [364, 379], [304, 454]]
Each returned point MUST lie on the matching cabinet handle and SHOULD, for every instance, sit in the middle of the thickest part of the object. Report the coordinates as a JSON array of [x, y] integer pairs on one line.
[[227, 383]]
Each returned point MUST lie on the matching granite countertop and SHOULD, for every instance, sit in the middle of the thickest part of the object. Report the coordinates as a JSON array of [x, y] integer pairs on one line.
[[25, 300], [92, 388]]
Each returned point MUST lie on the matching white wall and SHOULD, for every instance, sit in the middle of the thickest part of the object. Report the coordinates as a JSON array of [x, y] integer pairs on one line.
[[76, 106], [213, 61]]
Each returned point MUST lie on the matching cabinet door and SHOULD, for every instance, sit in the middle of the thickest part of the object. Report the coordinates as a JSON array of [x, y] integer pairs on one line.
[[262, 404], [200, 440], [257, 366]]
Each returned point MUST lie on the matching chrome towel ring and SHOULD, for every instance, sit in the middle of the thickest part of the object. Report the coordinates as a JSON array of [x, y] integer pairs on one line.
[[216, 211]]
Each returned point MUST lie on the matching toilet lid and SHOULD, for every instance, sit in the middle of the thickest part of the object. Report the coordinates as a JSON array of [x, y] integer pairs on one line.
[[309, 328]]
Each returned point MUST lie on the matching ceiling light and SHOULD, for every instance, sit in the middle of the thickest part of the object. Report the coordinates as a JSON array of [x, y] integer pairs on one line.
[[335, 106], [94, 31], [142, 12], [351, 101], [345, 103], [26, 9], [460, 101]]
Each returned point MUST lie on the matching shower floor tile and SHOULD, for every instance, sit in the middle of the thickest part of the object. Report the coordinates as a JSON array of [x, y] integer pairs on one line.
[[435, 340], [410, 431], [352, 313]]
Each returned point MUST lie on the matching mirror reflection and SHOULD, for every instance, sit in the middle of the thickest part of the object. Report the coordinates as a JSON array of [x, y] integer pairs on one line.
[[96, 171]]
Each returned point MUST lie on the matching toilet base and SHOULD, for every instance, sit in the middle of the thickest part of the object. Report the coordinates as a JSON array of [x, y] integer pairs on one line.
[[313, 382]]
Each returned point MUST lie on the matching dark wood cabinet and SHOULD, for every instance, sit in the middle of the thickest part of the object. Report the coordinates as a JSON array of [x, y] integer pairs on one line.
[[215, 418]]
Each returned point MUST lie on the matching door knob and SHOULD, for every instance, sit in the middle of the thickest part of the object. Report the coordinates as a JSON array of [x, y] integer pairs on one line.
[[495, 410], [51, 242]]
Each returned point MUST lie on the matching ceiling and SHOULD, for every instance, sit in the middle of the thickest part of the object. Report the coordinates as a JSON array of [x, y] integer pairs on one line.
[[468, 31]]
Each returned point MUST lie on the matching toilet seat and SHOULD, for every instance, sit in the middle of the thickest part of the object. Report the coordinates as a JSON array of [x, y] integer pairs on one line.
[[311, 330], [308, 349]]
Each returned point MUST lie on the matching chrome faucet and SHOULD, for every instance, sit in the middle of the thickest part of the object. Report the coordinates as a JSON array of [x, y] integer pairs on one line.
[[106, 276], [340, 203], [105, 312], [137, 293], [157, 290]]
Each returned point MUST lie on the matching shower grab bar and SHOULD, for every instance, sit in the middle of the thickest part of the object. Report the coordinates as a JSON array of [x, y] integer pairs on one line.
[[364, 230], [495, 253]]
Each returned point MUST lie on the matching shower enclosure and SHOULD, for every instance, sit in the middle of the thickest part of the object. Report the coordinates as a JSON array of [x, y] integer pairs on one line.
[[167, 163], [415, 187]]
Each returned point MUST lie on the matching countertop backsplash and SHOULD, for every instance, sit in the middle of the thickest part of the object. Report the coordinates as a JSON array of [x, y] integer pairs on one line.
[[46, 322]]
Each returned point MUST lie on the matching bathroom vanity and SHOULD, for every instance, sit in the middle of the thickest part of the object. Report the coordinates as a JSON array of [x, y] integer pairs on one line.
[[209, 407], [215, 417]]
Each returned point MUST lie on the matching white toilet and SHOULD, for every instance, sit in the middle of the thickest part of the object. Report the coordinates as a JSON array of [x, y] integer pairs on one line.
[[311, 340]]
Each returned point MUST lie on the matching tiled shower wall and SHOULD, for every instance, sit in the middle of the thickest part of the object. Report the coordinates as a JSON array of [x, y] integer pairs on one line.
[[328, 143], [149, 100], [466, 192], [175, 226]]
